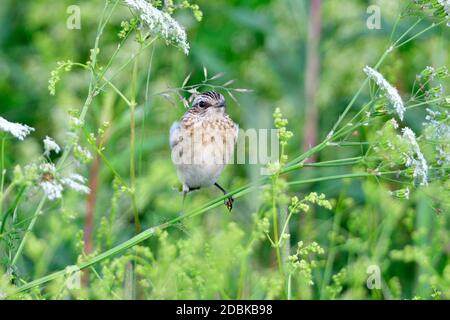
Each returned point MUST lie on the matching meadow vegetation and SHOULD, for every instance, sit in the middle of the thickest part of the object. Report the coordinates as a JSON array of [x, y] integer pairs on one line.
[[89, 198]]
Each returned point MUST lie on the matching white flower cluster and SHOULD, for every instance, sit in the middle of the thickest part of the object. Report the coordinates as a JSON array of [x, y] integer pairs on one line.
[[394, 123], [50, 145], [52, 189], [439, 122], [437, 129], [430, 72], [76, 182], [20, 131], [415, 159], [443, 155], [53, 186], [446, 6], [391, 92], [160, 23], [82, 154]]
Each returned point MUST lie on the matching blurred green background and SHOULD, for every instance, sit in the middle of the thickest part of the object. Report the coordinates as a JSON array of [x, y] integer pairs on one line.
[[264, 46]]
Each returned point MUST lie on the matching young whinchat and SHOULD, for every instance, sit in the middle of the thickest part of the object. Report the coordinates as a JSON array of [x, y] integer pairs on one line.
[[202, 142]]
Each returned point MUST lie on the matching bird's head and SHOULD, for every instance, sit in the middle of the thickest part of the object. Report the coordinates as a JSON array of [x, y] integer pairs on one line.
[[208, 103]]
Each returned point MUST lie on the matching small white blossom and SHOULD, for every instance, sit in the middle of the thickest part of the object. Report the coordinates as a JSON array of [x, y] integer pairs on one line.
[[394, 123], [446, 6], [53, 184], [77, 183], [391, 92], [160, 23], [431, 72], [75, 122], [443, 155], [437, 129], [20, 131], [50, 145], [82, 154], [47, 168], [52, 189], [415, 160]]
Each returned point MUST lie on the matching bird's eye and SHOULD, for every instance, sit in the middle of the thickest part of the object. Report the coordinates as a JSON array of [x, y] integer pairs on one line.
[[202, 104]]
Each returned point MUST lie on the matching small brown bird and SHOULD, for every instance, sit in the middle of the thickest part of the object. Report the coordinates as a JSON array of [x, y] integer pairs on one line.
[[203, 142]]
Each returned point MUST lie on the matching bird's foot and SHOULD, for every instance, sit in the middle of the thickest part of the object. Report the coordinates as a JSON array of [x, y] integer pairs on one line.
[[229, 203]]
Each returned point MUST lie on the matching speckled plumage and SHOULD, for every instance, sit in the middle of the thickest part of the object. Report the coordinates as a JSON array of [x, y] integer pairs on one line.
[[202, 142]]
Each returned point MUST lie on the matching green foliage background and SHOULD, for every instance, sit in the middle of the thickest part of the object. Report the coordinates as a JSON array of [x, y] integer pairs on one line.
[[263, 45]]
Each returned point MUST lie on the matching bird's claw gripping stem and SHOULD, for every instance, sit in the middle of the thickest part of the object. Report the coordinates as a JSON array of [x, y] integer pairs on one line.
[[229, 203]]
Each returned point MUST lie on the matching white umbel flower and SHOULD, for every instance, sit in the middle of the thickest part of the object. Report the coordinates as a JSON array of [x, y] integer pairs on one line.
[[415, 160], [394, 123], [437, 130], [50, 145], [77, 183], [52, 189], [48, 182], [446, 6], [18, 130], [440, 129], [391, 92], [160, 23], [53, 184]]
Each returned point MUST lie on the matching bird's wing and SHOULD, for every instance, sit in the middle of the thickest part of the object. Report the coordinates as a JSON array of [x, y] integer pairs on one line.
[[175, 134]]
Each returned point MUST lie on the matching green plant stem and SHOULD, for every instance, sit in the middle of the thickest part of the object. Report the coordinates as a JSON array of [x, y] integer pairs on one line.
[[420, 33], [107, 81], [275, 228], [289, 287], [2, 173], [11, 210], [286, 224], [6, 192], [331, 254], [105, 160], [348, 162], [124, 98], [137, 222], [146, 106], [335, 177], [132, 58], [419, 104], [133, 171], [28, 231], [308, 153], [243, 268]]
